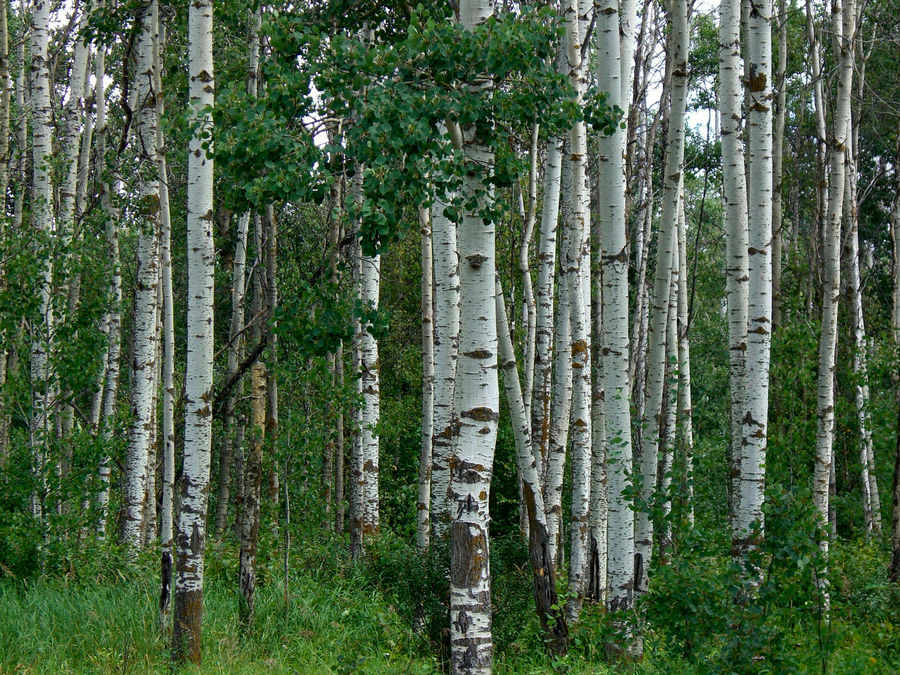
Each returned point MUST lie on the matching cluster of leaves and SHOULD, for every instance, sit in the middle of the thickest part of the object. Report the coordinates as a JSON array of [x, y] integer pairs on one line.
[[746, 614], [382, 103]]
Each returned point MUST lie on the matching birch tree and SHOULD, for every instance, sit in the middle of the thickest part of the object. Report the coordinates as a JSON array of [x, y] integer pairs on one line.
[[737, 241], [364, 506], [552, 620], [579, 289], [191, 530], [112, 318], [446, 344], [662, 288], [611, 54], [146, 328], [755, 410], [843, 15], [42, 399], [423, 522], [478, 402]]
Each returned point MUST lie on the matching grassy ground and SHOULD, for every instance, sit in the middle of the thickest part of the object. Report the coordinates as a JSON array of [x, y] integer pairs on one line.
[[53, 627], [100, 616]]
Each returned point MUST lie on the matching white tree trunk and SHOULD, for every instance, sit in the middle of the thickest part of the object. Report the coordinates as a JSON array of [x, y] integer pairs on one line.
[[423, 522], [549, 612], [446, 343], [42, 216], [529, 311], [755, 411], [370, 413], [777, 152], [191, 530], [113, 317], [544, 333], [167, 510], [478, 403], [737, 227], [146, 329], [669, 415], [685, 405], [871, 502], [843, 26], [614, 260], [662, 289], [561, 397], [578, 279]]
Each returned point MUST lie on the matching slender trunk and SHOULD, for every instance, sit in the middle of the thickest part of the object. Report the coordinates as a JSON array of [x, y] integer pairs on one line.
[[553, 622], [167, 510], [144, 340], [334, 252], [42, 402], [423, 522], [668, 418], [578, 280], [252, 495], [339, 446], [870, 497], [364, 505], [191, 531], [843, 25], [777, 152], [5, 91], [446, 347], [614, 258], [736, 219], [544, 333], [755, 411], [685, 405], [22, 90], [235, 350], [561, 400], [113, 316], [662, 289], [529, 309]]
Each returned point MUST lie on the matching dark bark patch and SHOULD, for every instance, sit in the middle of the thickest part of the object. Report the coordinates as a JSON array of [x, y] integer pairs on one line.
[[481, 414]]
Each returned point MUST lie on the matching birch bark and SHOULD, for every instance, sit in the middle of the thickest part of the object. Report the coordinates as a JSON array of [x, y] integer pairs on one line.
[[842, 24], [737, 226], [544, 333], [755, 411], [869, 482], [446, 344], [423, 521], [578, 281], [611, 208], [553, 622], [685, 405], [662, 288], [146, 329], [478, 403], [777, 153], [42, 216], [113, 316], [191, 530], [167, 510]]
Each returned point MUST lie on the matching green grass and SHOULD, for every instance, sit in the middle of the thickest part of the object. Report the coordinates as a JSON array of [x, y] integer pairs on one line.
[[333, 627], [100, 616]]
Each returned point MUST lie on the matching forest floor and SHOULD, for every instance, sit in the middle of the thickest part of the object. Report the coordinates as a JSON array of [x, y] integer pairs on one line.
[[100, 616]]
